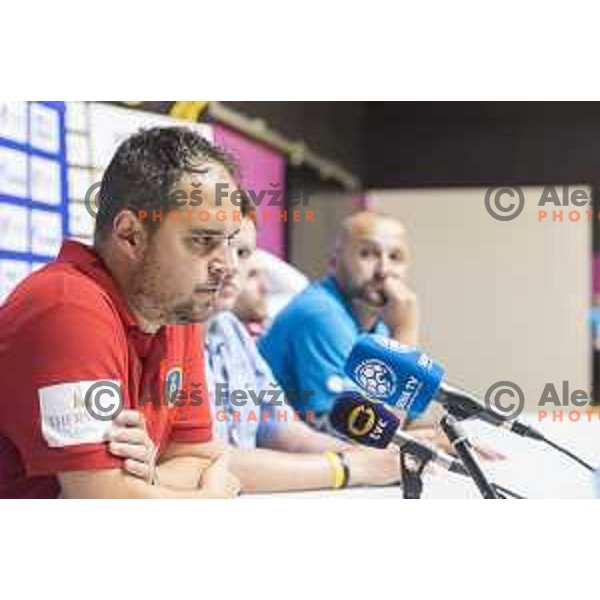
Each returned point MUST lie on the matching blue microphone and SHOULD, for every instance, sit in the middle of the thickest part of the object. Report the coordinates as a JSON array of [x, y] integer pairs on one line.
[[408, 379], [401, 376]]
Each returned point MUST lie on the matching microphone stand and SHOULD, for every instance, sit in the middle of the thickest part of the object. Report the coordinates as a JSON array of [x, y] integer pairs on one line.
[[413, 460], [461, 444], [463, 411]]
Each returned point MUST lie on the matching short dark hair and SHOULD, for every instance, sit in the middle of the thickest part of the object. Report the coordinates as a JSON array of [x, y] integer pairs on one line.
[[147, 167]]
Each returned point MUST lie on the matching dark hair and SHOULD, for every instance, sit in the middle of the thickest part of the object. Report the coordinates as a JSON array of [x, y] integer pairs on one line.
[[146, 169]]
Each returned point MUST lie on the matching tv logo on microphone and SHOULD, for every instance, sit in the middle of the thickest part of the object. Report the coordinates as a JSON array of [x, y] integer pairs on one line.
[[363, 423], [376, 378]]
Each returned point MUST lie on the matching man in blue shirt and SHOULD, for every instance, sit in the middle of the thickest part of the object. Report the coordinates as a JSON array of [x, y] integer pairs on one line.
[[366, 291]]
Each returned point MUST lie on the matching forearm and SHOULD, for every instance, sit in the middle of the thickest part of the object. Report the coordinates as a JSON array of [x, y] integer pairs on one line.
[[299, 437], [408, 336], [183, 473], [430, 419], [179, 475], [117, 485], [140, 490], [267, 471], [181, 466]]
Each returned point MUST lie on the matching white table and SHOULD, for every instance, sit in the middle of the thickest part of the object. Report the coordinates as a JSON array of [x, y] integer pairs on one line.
[[532, 469]]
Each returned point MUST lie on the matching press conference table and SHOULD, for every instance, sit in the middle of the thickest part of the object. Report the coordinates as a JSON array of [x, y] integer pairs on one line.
[[532, 469]]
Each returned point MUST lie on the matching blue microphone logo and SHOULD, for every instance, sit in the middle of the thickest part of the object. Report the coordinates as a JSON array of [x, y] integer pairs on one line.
[[376, 378]]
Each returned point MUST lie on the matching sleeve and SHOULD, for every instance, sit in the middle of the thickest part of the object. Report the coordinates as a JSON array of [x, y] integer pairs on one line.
[[273, 418], [74, 380], [193, 424]]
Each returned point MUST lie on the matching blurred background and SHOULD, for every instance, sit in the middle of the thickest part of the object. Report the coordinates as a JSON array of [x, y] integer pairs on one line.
[[500, 300]]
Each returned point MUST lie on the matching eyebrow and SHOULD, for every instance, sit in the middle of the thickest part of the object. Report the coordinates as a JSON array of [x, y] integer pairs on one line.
[[197, 231], [214, 232], [368, 242], [378, 246], [197, 170]]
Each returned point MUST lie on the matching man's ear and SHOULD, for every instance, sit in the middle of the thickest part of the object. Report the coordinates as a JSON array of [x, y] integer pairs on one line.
[[332, 262], [130, 233]]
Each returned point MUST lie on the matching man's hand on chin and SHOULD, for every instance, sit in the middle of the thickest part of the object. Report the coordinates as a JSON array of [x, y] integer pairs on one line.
[[401, 311]]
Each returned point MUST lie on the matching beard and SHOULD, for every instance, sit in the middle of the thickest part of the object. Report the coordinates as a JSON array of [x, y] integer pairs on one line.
[[197, 308], [190, 312], [149, 294], [370, 293]]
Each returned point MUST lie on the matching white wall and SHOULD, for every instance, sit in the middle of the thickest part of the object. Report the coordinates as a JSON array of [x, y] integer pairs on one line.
[[94, 132], [310, 243], [500, 300]]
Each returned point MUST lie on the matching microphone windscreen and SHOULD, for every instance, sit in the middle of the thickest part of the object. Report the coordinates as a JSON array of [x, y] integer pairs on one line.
[[401, 376], [363, 421]]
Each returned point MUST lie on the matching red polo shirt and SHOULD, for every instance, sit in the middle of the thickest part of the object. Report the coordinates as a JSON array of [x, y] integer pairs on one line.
[[64, 329]]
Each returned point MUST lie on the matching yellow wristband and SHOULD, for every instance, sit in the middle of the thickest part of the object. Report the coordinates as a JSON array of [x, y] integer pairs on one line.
[[337, 470]]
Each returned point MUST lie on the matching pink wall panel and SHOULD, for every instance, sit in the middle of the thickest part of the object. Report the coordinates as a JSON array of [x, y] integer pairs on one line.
[[261, 169]]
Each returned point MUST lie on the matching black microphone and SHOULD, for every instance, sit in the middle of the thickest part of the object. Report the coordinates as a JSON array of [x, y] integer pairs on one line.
[[372, 424], [462, 405]]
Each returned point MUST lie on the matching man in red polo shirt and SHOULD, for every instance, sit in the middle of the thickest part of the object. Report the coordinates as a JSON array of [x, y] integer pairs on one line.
[[115, 327]]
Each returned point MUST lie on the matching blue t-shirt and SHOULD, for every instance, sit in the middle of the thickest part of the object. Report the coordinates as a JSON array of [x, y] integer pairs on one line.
[[308, 344]]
